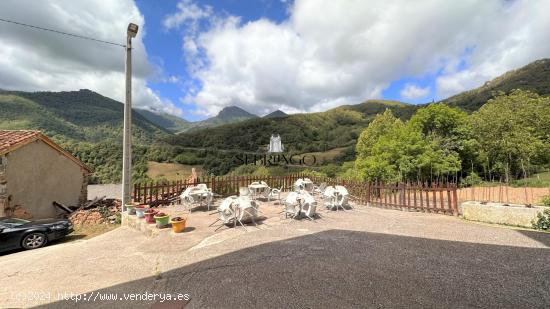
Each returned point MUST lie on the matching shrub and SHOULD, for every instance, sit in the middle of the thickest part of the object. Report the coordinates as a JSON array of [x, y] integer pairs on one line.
[[470, 180], [261, 171], [542, 222], [312, 173], [546, 200]]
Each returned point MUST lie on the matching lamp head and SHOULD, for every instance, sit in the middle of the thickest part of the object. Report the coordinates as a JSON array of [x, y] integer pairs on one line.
[[132, 30]]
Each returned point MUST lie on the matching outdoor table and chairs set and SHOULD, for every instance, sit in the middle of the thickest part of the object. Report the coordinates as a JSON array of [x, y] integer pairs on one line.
[[244, 208]]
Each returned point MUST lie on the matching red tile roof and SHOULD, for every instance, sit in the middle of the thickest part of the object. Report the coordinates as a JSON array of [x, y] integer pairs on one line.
[[10, 140]]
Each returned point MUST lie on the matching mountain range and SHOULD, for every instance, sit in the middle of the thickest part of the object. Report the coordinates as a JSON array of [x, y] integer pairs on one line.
[[84, 116], [174, 124]]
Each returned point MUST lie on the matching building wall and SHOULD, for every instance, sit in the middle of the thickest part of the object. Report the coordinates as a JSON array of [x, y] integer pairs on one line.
[[3, 186], [37, 175]]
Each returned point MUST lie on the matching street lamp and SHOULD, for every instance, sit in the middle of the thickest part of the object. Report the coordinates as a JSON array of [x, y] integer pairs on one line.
[[127, 138]]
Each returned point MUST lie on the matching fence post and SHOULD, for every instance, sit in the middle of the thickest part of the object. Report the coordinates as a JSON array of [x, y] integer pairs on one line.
[[455, 211]]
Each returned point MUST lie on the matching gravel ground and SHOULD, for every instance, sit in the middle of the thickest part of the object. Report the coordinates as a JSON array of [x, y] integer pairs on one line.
[[370, 257], [109, 191]]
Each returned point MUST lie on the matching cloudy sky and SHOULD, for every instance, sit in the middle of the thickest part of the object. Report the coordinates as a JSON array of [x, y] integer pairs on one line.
[[192, 58]]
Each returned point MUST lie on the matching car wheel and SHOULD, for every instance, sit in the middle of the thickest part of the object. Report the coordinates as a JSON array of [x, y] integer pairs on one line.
[[34, 241]]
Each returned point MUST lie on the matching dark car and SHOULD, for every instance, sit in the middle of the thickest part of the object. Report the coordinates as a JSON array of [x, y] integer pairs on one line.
[[19, 233]]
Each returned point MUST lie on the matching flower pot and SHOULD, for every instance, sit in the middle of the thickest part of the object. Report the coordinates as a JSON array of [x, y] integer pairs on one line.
[[178, 225], [140, 210], [149, 215], [130, 209], [162, 220]]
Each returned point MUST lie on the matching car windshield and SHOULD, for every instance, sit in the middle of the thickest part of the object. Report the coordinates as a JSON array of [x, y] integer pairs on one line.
[[12, 222]]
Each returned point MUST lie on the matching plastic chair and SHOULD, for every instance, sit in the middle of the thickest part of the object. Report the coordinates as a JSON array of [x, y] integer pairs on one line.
[[291, 206], [309, 206]]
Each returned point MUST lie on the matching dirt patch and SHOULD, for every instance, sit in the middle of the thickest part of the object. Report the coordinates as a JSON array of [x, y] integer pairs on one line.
[[171, 171]]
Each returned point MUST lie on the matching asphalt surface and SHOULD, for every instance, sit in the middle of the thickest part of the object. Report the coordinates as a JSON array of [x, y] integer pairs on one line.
[[348, 269], [370, 258]]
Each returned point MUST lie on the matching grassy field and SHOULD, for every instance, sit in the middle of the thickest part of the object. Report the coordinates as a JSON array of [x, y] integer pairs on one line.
[[326, 156], [171, 171]]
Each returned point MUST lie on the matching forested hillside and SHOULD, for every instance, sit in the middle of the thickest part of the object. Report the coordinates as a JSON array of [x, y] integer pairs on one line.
[[534, 77], [83, 116], [90, 126], [87, 124], [171, 123]]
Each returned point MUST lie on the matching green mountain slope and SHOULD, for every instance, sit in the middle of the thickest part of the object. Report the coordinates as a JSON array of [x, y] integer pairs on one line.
[[230, 114], [300, 132], [89, 126], [169, 122], [534, 77], [276, 114], [81, 116]]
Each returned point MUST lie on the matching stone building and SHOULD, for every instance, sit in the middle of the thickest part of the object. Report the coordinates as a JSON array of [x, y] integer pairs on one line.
[[35, 172]]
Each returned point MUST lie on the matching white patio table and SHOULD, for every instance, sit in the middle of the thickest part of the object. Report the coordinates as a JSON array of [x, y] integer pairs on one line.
[[257, 188]]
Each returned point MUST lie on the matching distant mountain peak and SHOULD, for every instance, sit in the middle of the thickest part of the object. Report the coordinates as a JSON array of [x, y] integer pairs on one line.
[[232, 112], [276, 114]]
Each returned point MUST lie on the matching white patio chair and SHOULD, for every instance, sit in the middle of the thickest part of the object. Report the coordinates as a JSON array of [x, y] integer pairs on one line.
[[246, 211], [291, 205], [342, 197], [309, 206], [319, 189], [275, 194], [244, 191], [187, 200], [299, 185], [226, 212], [329, 197]]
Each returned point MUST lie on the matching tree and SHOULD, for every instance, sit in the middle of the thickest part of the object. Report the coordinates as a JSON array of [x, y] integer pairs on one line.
[[381, 124], [391, 150], [513, 132], [450, 131]]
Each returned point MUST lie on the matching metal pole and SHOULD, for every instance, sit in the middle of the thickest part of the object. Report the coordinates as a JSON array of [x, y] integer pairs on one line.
[[127, 139]]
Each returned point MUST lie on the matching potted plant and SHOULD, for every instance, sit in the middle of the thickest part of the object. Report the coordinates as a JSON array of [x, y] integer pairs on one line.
[[149, 215], [130, 209], [162, 219], [178, 224], [140, 210]]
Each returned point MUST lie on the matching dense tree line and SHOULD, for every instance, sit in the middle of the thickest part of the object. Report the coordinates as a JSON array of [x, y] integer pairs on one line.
[[506, 139]]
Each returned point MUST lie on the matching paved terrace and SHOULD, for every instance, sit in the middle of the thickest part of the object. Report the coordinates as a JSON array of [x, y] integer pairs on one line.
[[369, 257]]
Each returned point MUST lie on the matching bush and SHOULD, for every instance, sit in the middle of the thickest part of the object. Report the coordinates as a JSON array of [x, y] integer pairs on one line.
[[546, 200], [542, 222], [312, 173], [471, 180]]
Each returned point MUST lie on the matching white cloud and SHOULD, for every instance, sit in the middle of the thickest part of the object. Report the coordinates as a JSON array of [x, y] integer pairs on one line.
[[412, 92], [36, 60], [187, 11], [357, 49]]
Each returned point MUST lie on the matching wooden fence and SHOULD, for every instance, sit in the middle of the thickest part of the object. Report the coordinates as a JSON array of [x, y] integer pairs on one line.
[[163, 192], [504, 194], [418, 196]]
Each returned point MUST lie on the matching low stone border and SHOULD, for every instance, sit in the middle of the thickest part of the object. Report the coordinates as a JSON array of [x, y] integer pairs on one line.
[[512, 214]]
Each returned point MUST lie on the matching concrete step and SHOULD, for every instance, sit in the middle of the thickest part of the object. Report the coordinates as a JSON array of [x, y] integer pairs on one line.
[[139, 224]]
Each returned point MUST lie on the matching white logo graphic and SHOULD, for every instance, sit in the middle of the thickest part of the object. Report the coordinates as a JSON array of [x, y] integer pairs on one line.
[[275, 144]]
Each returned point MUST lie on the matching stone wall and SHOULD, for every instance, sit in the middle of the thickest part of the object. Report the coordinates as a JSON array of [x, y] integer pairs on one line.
[[515, 215]]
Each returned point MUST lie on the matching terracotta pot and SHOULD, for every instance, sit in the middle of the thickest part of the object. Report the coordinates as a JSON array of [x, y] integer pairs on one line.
[[178, 226]]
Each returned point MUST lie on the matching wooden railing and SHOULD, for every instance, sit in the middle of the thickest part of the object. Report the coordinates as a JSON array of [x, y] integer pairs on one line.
[[160, 193], [437, 198]]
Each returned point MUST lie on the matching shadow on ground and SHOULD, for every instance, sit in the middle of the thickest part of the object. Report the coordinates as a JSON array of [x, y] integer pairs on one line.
[[542, 237], [346, 269]]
